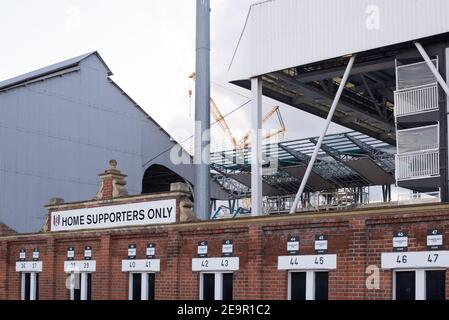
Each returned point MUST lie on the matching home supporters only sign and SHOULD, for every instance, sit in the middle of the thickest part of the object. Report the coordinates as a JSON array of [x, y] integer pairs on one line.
[[132, 214]]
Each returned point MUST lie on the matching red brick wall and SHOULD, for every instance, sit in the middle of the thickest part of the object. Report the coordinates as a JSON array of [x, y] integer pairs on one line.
[[358, 239]]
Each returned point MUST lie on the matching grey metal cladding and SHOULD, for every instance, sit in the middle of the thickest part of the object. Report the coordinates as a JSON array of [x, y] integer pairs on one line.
[[57, 134]]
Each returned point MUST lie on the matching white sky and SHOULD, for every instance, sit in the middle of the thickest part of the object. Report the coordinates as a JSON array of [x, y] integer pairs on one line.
[[150, 47]]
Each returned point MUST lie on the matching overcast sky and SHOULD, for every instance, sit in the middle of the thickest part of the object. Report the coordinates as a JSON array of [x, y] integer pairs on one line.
[[150, 47]]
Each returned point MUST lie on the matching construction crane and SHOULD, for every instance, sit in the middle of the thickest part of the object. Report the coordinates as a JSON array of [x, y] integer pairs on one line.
[[245, 141]]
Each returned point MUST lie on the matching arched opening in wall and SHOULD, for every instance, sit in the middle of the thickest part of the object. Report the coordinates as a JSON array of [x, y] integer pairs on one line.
[[158, 178]]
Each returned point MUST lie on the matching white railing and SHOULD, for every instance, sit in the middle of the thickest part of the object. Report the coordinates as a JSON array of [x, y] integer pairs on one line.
[[422, 164], [416, 100]]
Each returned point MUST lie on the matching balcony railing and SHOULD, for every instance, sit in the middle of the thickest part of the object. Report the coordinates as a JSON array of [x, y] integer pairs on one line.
[[422, 164], [416, 100]]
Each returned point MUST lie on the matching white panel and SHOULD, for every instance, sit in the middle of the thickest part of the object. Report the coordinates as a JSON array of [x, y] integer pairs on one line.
[[215, 264], [80, 266], [311, 262], [145, 265], [287, 33], [415, 260], [29, 266]]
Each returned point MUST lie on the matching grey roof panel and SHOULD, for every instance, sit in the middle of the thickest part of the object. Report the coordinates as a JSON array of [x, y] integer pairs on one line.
[[49, 70]]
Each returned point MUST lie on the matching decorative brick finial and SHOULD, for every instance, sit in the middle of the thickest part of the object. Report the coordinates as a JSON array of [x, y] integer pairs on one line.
[[112, 183]]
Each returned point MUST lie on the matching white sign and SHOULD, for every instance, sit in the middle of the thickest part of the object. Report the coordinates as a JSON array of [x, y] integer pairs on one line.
[[35, 266], [202, 249], [151, 251], [435, 240], [400, 242], [132, 214], [22, 255], [80, 266], [226, 248], [36, 255], [293, 246], [312, 262], [320, 244], [147, 265], [415, 260], [215, 264]]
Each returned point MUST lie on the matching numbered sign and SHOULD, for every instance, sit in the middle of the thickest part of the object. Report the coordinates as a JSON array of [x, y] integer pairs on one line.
[[293, 245], [311, 262], [400, 241], [215, 264], [22, 254], [70, 253], [146, 265], [34, 266], [151, 250], [202, 249], [35, 254], [321, 244], [434, 239], [132, 251], [415, 260], [80, 266], [88, 253], [226, 248]]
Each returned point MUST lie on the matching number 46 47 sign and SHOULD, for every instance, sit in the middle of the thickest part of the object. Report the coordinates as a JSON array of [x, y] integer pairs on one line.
[[422, 259]]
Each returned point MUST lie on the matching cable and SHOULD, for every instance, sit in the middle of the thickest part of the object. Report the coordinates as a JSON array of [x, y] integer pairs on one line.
[[185, 140]]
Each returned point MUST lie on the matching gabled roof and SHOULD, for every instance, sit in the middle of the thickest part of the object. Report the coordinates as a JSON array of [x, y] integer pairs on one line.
[[49, 70], [281, 34]]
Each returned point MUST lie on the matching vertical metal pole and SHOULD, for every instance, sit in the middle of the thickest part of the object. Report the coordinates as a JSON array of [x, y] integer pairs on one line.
[[310, 285], [144, 286], [202, 111], [130, 286], [22, 287], [256, 147], [33, 286], [83, 286], [432, 67], [72, 286], [320, 140]]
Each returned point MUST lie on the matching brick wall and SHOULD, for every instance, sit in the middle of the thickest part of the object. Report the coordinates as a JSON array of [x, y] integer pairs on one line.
[[358, 238]]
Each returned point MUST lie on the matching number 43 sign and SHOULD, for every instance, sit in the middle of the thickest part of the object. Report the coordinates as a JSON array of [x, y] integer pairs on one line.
[[215, 264]]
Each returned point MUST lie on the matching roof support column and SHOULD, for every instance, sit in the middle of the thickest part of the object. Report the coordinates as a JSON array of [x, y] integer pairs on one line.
[[323, 134], [256, 147], [202, 111]]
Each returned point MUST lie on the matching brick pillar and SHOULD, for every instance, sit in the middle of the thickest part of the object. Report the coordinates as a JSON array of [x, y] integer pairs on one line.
[[3, 270], [356, 260], [172, 283], [254, 268], [112, 183], [49, 271], [103, 275]]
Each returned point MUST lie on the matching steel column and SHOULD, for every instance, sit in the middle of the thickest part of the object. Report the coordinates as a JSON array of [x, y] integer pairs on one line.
[[202, 111], [256, 147], [323, 134]]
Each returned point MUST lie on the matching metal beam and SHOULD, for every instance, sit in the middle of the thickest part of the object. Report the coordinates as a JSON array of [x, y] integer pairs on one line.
[[326, 127], [320, 97], [336, 72], [432, 67]]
